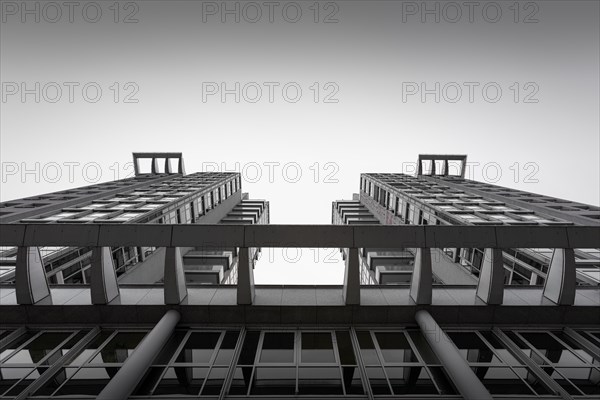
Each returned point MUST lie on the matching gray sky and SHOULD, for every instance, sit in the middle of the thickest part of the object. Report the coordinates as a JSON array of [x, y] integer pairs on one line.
[[308, 105]]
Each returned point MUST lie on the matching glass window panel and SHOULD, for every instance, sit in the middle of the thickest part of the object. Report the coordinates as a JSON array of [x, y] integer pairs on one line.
[[345, 349], [274, 381], [15, 344], [585, 379], [227, 348], [170, 348], [410, 380], [22, 378], [579, 351], [241, 381], [323, 381], [472, 348], [367, 348], [444, 383], [378, 381], [532, 380], [352, 380], [182, 380], [199, 348], [501, 380], [499, 347], [317, 347], [564, 383], [55, 382], [423, 347], [553, 350], [119, 348], [90, 348], [278, 347], [214, 383], [395, 347], [148, 382], [39, 348], [87, 381]]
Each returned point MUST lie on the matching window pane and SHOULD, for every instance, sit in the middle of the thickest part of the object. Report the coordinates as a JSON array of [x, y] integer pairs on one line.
[[181, 380], [37, 349], [16, 343], [274, 381], [278, 347], [317, 348], [227, 348], [199, 348], [352, 380], [319, 381], [410, 380], [90, 348], [89, 381], [586, 379], [472, 348], [395, 347], [501, 380], [377, 380], [119, 348], [367, 348], [214, 383], [241, 381], [554, 351]]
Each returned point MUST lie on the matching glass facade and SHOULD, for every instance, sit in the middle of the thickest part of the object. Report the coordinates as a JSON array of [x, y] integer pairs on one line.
[[239, 362]]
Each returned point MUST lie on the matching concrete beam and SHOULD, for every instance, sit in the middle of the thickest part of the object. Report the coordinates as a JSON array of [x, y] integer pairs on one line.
[[422, 279], [30, 276], [351, 291], [245, 285], [103, 286], [490, 287], [561, 278], [174, 277]]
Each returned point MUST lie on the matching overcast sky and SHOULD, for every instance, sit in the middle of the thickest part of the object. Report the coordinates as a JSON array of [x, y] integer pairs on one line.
[[303, 97]]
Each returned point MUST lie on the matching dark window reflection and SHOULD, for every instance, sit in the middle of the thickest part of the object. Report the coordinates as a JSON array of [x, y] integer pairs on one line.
[[317, 348], [278, 347]]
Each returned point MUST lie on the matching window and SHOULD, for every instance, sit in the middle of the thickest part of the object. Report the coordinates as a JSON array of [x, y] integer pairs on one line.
[[394, 367]]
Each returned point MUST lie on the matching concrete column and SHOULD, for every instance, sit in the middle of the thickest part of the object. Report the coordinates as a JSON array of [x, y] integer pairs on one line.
[[245, 285], [154, 166], [446, 171], [31, 284], [455, 365], [560, 280], [490, 287], [181, 166], [168, 166], [174, 278], [134, 368], [352, 277], [103, 283], [420, 285]]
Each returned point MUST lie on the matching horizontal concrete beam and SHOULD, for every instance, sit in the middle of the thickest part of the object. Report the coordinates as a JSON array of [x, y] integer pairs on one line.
[[342, 236]]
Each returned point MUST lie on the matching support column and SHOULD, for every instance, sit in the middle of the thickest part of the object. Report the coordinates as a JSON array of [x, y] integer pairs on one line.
[[446, 171], [31, 284], [352, 277], [174, 277], [134, 368], [561, 278], [420, 285], [168, 166], [455, 365], [103, 283], [490, 287], [154, 166], [245, 285], [181, 166]]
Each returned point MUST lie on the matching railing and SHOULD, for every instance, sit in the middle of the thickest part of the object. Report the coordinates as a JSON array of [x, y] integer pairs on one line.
[[31, 285]]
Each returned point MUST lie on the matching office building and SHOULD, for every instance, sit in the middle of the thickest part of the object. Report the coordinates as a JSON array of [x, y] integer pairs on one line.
[[442, 196], [416, 317]]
